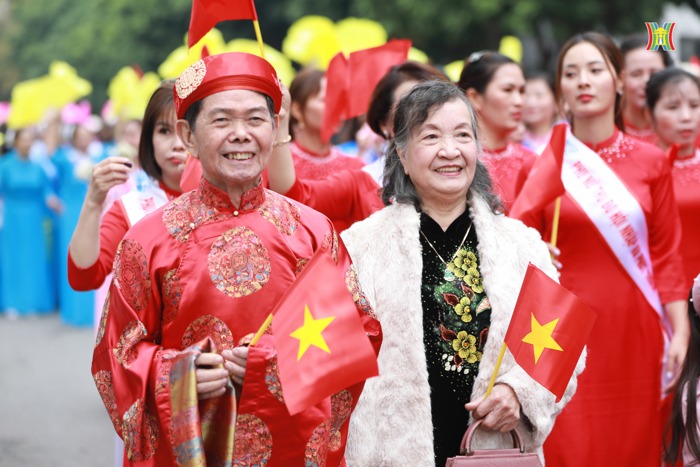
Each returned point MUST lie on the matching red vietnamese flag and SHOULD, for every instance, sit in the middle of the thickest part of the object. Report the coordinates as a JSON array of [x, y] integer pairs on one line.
[[367, 67], [350, 82], [543, 184], [321, 344], [206, 13], [548, 331], [336, 101]]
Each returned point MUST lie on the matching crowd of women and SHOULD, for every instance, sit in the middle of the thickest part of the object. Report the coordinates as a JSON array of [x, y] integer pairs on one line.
[[422, 208], [43, 183]]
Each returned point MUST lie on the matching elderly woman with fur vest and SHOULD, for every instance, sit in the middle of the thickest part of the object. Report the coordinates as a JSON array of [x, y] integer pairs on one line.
[[442, 267]]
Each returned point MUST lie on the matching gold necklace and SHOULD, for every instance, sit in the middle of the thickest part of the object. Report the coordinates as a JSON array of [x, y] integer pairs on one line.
[[458, 248]]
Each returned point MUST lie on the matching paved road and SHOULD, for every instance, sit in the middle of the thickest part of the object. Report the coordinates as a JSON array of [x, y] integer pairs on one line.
[[50, 411]]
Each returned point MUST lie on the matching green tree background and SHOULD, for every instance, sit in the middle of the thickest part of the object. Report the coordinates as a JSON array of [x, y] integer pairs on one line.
[[98, 37]]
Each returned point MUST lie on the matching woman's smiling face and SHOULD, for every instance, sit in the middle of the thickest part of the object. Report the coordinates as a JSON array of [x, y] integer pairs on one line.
[[441, 155]]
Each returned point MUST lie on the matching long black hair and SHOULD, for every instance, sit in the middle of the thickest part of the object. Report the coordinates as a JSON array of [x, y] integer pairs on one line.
[[480, 68], [679, 432], [382, 101]]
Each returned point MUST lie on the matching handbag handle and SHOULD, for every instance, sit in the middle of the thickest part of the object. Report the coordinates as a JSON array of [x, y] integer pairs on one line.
[[466, 447]]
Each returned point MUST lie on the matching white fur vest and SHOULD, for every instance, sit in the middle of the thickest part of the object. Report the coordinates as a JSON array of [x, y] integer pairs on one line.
[[392, 424]]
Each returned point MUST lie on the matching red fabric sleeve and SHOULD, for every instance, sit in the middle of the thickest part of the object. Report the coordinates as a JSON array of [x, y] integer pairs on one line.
[[349, 195], [531, 218], [665, 238], [129, 368], [113, 227]]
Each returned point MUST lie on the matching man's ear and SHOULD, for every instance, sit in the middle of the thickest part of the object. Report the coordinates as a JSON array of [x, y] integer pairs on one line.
[[184, 132]]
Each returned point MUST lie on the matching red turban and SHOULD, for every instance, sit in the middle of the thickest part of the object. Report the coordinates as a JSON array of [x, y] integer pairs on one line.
[[222, 72]]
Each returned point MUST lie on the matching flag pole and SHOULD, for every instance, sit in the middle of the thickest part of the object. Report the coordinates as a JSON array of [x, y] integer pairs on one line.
[[258, 35], [495, 370], [261, 331], [555, 221]]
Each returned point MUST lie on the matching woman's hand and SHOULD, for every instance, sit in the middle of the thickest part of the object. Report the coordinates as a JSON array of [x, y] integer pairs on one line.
[[500, 411], [235, 363], [280, 166], [107, 174], [675, 356], [211, 376], [677, 312], [284, 109]]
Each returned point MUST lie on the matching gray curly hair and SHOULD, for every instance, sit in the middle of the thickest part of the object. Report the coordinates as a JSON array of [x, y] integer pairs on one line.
[[411, 112]]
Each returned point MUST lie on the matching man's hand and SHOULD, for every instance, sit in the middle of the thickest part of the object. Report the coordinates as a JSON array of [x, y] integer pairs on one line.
[[500, 411], [212, 377], [235, 363]]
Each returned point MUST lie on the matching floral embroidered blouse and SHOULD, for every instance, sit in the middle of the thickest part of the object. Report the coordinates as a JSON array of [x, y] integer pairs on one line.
[[456, 319]]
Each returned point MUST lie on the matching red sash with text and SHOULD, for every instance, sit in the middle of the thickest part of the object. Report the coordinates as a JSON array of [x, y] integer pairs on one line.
[[614, 211]]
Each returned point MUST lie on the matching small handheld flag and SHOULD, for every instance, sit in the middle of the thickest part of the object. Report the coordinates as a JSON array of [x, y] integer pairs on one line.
[[207, 13], [352, 80], [548, 331], [543, 184], [336, 103], [322, 346]]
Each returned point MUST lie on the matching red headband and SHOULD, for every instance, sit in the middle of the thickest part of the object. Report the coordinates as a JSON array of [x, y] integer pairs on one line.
[[222, 72]]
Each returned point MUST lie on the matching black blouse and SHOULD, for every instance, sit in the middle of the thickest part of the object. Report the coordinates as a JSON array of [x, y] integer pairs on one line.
[[456, 318]]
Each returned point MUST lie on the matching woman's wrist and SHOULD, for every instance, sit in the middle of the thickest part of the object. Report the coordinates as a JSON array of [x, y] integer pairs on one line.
[[94, 204]]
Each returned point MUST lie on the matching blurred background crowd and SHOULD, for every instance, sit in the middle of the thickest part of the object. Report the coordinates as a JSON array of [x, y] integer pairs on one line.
[[75, 78]]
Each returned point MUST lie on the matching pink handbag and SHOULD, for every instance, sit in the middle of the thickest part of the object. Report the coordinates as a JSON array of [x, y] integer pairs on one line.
[[515, 456]]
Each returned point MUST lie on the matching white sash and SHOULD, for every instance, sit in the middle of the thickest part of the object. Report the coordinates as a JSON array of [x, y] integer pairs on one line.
[[138, 203], [614, 211]]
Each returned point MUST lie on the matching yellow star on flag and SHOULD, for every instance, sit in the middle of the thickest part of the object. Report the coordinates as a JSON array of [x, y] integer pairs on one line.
[[541, 337], [310, 333]]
